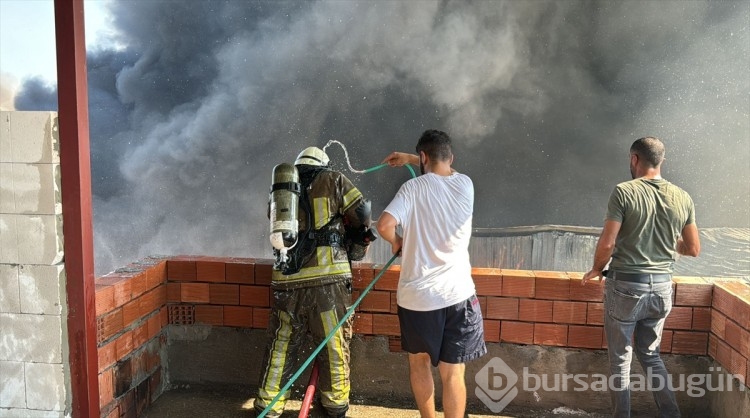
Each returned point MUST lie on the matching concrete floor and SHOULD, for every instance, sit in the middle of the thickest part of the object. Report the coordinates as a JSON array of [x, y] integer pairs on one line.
[[234, 401]]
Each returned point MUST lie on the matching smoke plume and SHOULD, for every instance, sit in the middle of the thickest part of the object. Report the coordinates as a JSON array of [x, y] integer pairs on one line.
[[542, 99]]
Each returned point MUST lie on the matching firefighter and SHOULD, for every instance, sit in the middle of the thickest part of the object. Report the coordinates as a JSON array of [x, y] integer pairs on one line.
[[311, 280]]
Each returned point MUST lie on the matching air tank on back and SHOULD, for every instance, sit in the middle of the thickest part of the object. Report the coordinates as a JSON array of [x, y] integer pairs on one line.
[[284, 201]]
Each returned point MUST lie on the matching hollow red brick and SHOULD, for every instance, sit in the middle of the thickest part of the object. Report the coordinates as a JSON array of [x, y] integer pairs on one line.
[[377, 301], [105, 299], [595, 313], [389, 279], [701, 319], [263, 272], [240, 273], [362, 275], [551, 285], [488, 281], [738, 365], [111, 324], [153, 300], [718, 323], [732, 334], [713, 343], [106, 387], [238, 316], [259, 296], [156, 275], [688, 342], [362, 323], [744, 347], [181, 270], [154, 326], [584, 336], [130, 312], [569, 312], [224, 294], [518, 283], [138, 284], [532, 310], [722, 299], [149, 301], [123, 291], [194, 292], [692, 291], [491, 330], [261, 317], [723, 354], [209, 314], [385, 324], [174, 292], [106, 356], [210, 271], [163, 316], [517, 332], [124, 345], [551, 334], [502, 308], [666, 341], [592, 291], [742, 311], [681, 317], [140, 335]]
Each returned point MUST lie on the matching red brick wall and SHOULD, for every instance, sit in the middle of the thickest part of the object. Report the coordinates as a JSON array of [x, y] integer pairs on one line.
[[729, 340], [519, 307], [130, 315]]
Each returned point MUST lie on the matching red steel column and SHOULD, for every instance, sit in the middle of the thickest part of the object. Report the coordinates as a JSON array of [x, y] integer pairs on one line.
[[75, 174]]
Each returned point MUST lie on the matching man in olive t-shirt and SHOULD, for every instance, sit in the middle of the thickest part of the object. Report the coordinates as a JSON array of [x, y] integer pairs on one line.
[[649, 221]]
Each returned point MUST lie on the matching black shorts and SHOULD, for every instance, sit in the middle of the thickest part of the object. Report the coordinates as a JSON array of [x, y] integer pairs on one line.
[[452, 335]]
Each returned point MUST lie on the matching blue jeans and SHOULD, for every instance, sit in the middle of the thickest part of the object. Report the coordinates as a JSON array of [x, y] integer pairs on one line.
[[634, 317]]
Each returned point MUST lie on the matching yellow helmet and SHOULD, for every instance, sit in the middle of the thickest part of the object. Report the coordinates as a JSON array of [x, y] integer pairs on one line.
[[312, 156]]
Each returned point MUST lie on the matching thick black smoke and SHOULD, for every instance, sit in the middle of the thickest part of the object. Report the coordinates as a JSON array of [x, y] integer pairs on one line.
[[542, 99]]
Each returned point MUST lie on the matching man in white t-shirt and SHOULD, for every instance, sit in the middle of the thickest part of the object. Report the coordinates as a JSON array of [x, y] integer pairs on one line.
[[439, 313]]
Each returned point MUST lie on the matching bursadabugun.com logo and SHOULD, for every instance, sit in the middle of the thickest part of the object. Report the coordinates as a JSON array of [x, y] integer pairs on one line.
[[496, 383]]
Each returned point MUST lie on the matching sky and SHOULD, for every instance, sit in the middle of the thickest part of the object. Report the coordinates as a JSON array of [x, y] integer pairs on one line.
[[192, 103], [27, 40]]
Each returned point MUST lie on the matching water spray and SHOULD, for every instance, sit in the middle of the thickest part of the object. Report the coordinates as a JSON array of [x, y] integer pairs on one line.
[[367, 170]]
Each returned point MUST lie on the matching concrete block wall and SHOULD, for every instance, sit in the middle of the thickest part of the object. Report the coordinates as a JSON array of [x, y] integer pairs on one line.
[[33, 332]]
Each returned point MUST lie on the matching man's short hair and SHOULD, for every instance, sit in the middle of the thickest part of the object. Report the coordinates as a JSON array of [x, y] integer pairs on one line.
[[650, 149], [436, 144]]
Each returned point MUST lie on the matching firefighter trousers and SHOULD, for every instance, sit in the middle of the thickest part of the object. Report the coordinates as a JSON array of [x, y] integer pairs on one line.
[[295, 313]]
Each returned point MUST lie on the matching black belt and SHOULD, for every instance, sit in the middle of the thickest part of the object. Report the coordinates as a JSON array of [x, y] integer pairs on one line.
[[640, 277]]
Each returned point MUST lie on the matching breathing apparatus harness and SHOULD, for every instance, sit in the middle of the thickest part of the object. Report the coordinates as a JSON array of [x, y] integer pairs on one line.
[[310, 238]]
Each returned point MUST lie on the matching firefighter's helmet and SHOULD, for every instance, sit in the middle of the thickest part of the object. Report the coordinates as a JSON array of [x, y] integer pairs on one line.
[[312, 156]]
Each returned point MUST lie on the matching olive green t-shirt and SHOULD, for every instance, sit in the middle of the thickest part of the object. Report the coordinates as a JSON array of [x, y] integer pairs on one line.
[[653, 213]]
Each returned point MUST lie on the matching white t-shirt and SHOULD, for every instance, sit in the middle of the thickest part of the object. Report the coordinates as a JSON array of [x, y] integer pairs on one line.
[[435, 213]]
